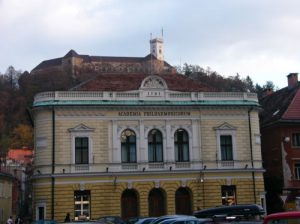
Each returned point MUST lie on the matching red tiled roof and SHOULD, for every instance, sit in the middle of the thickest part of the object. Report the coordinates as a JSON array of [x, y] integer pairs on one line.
[[20, 155], [128, 82], [87, 58], [293, 111], [280, 105]]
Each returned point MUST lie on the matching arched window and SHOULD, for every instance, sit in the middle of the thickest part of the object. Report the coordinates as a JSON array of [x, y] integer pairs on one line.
[[155, 146], [128, 146], [181, 140]]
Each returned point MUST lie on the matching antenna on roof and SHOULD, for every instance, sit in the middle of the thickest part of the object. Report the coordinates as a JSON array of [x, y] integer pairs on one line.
[[150, 54], [162, 32]]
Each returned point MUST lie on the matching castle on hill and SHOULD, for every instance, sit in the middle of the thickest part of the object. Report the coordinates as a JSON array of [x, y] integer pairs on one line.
[[79, 64]]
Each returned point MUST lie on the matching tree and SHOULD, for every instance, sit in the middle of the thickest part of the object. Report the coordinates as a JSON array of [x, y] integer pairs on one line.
[[249, 84], [269, 85], [13, 76], [22, 135]]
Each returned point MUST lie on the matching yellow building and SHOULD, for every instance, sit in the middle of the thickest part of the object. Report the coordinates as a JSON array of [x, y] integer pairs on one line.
[[6, 196], [144, 145]]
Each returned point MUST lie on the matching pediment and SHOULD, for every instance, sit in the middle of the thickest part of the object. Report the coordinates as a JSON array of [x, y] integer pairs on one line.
[[81, 128], [154, 82], [225, 126]]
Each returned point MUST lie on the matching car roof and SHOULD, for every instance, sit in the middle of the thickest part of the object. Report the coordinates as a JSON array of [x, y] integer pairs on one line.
[[172, 217], [280, 215], [246, 209]]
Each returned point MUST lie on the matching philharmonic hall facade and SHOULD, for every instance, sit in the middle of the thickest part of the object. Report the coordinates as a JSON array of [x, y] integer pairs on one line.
[[144, 145]]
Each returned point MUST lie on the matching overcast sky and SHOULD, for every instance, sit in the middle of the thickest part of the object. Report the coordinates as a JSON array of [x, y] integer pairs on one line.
[[259, 38]]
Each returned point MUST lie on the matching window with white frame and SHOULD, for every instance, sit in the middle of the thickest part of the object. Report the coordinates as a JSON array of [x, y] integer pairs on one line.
[[128, 146], [228, 194], [296, 139], [181, 142], [226, 147], [81, 150], [40, 211], [82, 205], [297, 171], [226, 143], [81, 144]]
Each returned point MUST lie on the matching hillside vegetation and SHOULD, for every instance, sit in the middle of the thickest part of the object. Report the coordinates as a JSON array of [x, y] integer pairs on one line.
[[17, 91]]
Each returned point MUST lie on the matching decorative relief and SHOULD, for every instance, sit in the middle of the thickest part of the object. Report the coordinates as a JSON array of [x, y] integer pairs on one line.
[[153, 82], [81, 128], [157, 184], [120, 129], [225, 126], [228, 181], [185, 127], [183, 183], [81, 186], [161, 128], [129, 184]]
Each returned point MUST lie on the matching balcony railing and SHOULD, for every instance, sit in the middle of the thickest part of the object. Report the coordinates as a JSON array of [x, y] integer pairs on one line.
[[218, 166], [141, 96]]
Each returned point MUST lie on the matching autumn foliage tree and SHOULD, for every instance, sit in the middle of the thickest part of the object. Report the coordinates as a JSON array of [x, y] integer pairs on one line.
[[21, 136], [17, 91], [221, 83]]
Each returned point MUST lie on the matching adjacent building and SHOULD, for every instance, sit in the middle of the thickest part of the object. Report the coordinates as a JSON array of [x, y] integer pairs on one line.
[[19, 163], [6, 194], [280, 130]]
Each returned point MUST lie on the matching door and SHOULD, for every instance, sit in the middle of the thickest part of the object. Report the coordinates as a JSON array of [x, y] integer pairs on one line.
[[156, 201]]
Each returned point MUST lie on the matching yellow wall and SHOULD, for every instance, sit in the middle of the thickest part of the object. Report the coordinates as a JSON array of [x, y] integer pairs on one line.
[[106, 195], [5, 198], [106, 188]]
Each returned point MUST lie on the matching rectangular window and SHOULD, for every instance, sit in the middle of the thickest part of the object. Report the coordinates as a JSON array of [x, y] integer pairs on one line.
[[297, 171], [81, 150], [296, 139], [155, 153], [226, 147], [228, 195], [82, 205]]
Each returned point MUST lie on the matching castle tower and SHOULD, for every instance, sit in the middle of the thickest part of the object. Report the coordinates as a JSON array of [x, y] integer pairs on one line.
[[157, 48]]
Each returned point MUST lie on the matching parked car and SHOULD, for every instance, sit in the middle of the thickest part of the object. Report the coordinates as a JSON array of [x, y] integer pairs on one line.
[[111, 219], [44, 221], [159, 219], [291, 217], [187, 220], [133, 220], [234, 212], [145, 220]]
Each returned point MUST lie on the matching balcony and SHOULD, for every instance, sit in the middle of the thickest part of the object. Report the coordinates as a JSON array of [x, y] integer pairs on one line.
[[139, 96], [167, 166]]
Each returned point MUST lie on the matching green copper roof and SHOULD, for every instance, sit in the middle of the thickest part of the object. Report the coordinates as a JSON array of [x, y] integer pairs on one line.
[[145, 103]]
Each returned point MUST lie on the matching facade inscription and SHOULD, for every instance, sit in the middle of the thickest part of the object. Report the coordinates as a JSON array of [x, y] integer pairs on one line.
[[154, 113]]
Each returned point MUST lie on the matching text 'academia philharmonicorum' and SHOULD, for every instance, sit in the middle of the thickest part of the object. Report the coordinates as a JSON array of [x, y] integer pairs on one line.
[[154, 113]]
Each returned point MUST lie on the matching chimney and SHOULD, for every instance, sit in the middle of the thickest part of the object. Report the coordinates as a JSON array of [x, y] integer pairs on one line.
[[292, 80], [267, 92]]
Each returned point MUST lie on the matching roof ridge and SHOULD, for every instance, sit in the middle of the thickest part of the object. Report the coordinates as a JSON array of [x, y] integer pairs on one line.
[[293, 110]]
